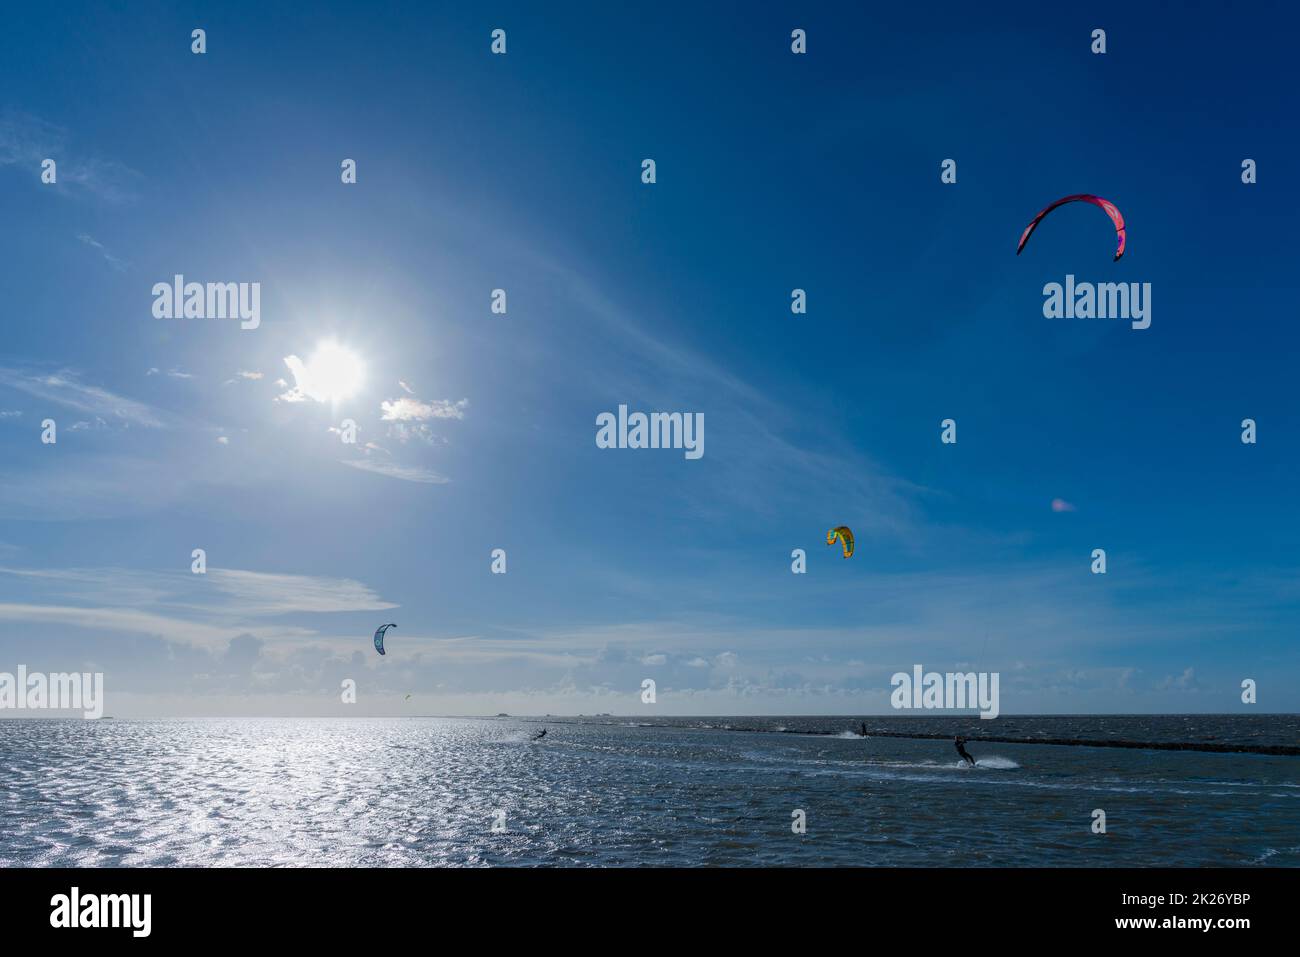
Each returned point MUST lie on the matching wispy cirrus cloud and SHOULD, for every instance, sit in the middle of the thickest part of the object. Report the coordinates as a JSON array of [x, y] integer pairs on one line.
[[65, 388], [118, 620], [26, 140], [112, 260], [244, 593], [407, 473], [243, 375], [262, 593], [177, 606]]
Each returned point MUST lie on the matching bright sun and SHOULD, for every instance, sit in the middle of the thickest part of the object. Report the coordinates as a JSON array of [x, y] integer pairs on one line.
[[334, 372]]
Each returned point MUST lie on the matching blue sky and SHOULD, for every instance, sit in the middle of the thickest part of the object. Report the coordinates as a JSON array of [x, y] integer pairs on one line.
[[775, 172]]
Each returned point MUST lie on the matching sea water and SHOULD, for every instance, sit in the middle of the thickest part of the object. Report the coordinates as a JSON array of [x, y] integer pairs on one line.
[[639, 791]]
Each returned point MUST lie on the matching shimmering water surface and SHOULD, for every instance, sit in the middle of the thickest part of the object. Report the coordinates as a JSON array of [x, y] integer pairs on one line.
[[611, 791]]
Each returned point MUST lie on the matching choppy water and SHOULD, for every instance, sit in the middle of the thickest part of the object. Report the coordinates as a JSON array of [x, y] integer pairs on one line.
[[610, 791]]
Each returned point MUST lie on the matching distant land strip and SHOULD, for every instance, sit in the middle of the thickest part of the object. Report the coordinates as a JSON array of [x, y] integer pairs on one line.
[[1286, 750], [1276, 750]]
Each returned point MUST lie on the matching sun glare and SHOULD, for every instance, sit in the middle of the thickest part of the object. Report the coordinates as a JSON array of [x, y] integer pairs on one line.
[[335, 372]]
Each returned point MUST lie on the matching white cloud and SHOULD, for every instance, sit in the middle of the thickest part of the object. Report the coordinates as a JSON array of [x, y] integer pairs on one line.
[[302, 385], [261, 593], [407, 433], [244, 592], [118, 619], [178, 606], [112, 260], [1184, 682], [26, 140], [405, 410], [244, 375], [392, 470], [64, 388]]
